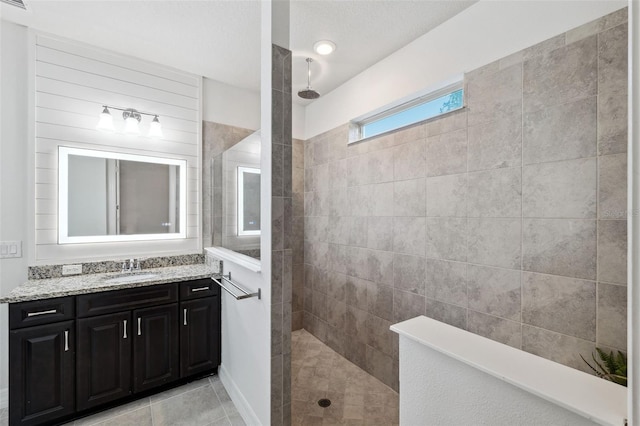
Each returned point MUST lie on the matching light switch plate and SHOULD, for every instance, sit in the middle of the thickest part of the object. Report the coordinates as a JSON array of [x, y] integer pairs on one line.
[[71, 269], [10, 249]]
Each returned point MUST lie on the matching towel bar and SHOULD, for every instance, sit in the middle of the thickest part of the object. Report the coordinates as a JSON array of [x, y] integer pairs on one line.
[[218, 279]]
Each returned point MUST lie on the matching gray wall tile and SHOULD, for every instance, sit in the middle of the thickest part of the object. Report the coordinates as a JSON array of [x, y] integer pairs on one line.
[[560, 246], [560, 132], [494, 291], [495, 242], [380, 233], [495, 193], [496, 144], [562, 75], [612, 122], [612, 251], [381, 266], [447, 195], [565, 305], [409, 235], [447, 281], [447, 153], [409, 273], [449, 314], [409, 197], [612, 191], [494, 328], [563, 189], [380, 300], [612, 316], [612, 59], [557, 347], [409, 160], [447, 238], [496, 96], [407, 305]]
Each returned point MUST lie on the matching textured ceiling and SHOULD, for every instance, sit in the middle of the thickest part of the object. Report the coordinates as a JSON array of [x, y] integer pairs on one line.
[[220, 39]]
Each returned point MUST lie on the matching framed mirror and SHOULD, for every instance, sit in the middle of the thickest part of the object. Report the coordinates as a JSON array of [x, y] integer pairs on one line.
[[110, 196]]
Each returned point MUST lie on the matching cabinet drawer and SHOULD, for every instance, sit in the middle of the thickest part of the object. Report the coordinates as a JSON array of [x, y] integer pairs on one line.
[[27, 314], [122, 300], [198, 288]]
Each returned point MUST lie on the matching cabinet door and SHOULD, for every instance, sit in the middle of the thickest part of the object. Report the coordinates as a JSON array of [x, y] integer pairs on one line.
[[41, 376], [103, 359], [199, 335], [155, 347]]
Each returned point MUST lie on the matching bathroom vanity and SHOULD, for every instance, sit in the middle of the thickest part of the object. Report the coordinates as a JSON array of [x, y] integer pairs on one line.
[[90, 342]]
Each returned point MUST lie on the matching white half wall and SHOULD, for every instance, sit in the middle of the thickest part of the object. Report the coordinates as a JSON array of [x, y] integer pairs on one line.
[[14, 163], [481, 34]]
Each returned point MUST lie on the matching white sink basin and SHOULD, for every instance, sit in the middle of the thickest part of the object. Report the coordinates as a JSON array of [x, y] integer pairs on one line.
[[131, 278]]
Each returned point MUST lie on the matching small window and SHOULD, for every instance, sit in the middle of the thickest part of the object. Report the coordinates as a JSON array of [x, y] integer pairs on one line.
[[423, 108]]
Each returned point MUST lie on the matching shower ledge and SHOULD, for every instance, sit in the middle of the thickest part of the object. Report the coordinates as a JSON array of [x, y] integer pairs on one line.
[[240, 259], [596, 399]]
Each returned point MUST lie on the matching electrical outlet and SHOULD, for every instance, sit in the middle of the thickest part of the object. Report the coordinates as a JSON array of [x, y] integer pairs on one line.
[[71, 269], [10, 249]]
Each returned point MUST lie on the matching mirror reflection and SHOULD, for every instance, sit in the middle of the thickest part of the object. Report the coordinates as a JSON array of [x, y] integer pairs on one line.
[[111, 196], [236, 188]]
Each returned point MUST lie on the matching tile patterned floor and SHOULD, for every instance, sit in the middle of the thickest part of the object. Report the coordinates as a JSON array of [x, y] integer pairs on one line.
[[203, 402], [357, 398]]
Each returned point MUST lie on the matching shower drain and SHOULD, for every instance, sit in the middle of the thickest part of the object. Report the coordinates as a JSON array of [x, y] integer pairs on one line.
[[324, 403]]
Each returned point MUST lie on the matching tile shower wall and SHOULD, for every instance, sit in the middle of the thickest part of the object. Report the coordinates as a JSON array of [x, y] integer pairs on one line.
[[281, 236], [507, 218], [297, 243]]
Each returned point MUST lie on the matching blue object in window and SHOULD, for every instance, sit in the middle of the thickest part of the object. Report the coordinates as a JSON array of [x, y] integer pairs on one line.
[[414, 114]]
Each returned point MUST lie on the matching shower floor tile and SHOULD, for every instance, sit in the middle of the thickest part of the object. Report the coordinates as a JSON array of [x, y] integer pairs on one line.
[[318, 372]]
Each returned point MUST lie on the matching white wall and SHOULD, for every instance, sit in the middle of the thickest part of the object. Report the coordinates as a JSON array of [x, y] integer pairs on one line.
[[484, 32], [72, 81], [14, 161], [239, 107], [633, 311]]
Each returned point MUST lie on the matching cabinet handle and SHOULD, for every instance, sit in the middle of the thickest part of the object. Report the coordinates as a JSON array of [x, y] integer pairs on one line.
[[66, 340], [35, 314], [185, 317], [139, 326], [193, 290], [124, 325]]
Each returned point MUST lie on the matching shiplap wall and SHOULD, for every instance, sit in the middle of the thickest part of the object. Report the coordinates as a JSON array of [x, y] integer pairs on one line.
[[72, 82]]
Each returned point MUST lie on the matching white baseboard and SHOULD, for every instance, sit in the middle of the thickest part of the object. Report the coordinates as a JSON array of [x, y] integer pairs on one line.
[[4, 398], [245, 410]]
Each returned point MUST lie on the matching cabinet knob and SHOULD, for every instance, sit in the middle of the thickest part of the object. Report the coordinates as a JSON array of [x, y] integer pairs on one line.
[[66, 340], [139, 326], [124, 326], [185, 317]]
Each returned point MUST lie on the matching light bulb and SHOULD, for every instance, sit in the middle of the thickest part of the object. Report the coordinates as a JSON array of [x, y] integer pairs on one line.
[[131, 120], [324, 47], [106, 121], [155, 128]]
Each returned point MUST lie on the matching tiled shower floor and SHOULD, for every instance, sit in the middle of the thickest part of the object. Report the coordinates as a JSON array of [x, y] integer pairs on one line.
[[357, 398]]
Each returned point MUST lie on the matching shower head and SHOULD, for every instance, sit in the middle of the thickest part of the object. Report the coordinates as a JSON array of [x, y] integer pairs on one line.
[[309, 93]]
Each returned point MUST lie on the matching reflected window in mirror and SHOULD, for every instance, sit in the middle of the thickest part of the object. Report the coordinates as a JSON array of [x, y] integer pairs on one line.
[[108, 196], [248, 201]]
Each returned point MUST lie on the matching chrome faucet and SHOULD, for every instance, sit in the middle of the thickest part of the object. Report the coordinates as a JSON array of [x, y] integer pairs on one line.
[[131, 266]]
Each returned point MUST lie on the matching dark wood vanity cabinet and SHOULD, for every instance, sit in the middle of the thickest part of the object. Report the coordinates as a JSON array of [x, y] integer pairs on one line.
[[41, 373], [155, 347], [103, 347], [103, 359]]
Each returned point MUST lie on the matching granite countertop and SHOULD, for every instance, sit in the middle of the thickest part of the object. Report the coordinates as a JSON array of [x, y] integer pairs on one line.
[[94, 283]]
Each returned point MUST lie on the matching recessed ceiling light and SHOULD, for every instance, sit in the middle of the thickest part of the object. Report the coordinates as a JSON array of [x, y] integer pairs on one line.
[[324, 47]]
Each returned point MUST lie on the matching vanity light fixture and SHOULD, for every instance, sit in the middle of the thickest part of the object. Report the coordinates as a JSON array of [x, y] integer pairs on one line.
[[132, 119], [324, 47]]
